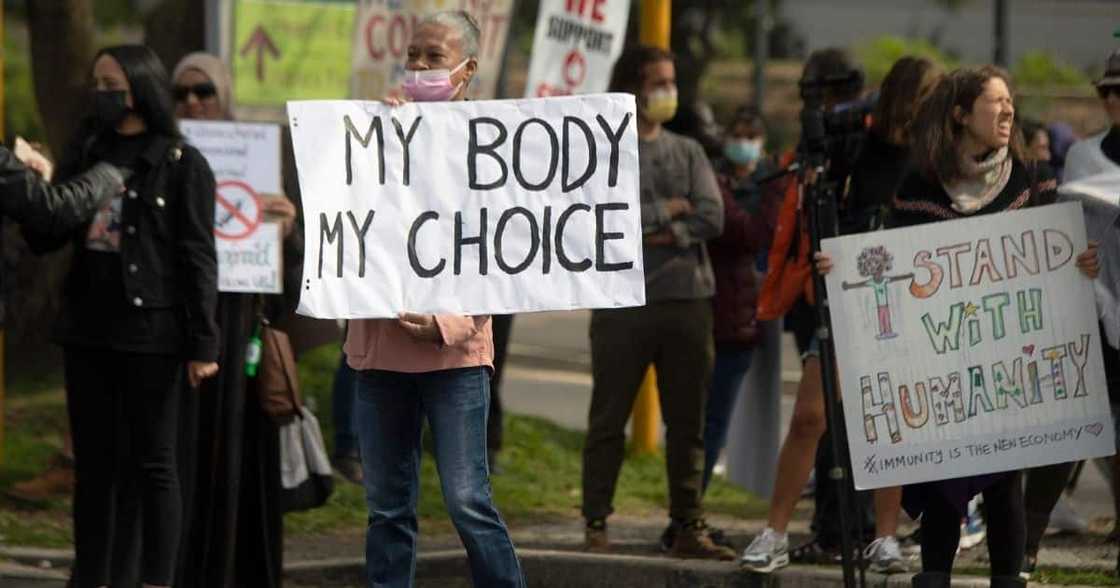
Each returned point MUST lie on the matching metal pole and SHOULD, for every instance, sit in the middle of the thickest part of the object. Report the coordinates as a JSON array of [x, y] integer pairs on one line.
[[656, 15], [1000, 57], [761, 50], [219, 32]]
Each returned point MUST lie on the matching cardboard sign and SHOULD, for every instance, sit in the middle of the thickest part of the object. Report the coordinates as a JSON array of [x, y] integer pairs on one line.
[[575, 46], [384, 28], [291, 50], [245, 159], [968, 347], [469, 207]]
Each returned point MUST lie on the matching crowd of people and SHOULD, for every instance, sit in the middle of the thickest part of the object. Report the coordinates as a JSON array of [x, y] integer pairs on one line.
[[177, 467]]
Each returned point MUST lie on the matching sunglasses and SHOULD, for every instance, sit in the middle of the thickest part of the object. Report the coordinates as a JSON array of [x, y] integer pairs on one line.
[[201, 91], [1104, 91]]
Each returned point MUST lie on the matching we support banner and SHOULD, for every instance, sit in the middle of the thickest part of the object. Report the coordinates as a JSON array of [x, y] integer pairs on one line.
[[968, 347], [245, 158], [575, 46], [469, 207], [384, 28]]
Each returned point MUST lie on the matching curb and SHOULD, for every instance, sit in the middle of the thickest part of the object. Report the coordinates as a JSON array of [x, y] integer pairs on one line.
[[566, 569], [543, 568]]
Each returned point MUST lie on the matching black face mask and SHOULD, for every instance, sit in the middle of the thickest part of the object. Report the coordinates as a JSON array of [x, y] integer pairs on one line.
[[109, 107]]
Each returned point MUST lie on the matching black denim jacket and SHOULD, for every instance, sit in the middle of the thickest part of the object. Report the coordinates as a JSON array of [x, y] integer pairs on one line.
[[167, 253]]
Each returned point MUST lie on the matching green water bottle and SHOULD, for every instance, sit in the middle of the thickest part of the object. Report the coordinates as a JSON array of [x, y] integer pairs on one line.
[[253, 353]]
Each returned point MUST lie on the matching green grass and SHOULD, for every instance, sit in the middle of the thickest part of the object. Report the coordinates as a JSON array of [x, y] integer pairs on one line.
[[540, 482]]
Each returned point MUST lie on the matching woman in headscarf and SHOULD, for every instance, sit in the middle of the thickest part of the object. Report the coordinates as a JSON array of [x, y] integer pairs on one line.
[[233, 532]]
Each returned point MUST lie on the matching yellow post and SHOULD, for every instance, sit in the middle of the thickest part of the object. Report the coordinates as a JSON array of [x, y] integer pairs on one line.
[[647, 411], [656, 15], [2, 375]]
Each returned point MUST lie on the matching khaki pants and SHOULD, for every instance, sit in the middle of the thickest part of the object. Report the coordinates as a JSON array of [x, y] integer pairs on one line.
[[676, 337]]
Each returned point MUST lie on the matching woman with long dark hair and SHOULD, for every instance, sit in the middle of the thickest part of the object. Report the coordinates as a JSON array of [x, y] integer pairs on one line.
[[875, 176], [970, 160], [138, 308]]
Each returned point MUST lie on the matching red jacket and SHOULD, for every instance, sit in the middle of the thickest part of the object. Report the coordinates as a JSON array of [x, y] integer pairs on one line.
[[734, 257]]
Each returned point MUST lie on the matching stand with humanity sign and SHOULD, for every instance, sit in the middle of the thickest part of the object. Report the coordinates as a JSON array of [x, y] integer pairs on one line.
[[968, 347], [469, 207]]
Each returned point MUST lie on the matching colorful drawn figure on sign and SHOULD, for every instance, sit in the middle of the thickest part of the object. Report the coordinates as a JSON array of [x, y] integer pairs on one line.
[[873, 264]]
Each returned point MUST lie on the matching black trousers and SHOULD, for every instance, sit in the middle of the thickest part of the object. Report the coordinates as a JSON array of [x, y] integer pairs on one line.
[[1003, 503], [502, 325], [1045, 485], [123, 416]]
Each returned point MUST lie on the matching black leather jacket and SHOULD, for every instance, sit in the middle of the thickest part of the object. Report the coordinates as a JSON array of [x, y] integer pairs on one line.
[[32, 202], [167, 250]]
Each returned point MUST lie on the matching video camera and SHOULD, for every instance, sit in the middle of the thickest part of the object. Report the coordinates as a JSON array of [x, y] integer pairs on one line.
[[833, 137]]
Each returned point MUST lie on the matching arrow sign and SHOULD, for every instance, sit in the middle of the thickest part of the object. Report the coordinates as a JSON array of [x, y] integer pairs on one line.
[[260, 41]]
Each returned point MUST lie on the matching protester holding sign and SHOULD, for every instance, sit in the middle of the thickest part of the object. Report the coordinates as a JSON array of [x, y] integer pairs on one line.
[[970, 160], [434, 366], [139, 301], [880, 164], [232, 462], [681, 209]]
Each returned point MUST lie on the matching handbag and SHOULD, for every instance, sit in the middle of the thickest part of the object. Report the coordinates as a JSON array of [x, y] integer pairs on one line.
[[306, 480], [277, 375]]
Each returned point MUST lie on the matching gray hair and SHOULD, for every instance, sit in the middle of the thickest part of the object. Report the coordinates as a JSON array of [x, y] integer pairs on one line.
[[460, 22]]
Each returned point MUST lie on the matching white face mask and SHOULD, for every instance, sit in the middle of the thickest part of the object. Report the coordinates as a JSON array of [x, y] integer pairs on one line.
[[431, 85]]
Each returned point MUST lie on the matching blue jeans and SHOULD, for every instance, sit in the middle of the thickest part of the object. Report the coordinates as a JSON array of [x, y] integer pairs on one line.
[[732, 364], [388, 409], [342, 409]]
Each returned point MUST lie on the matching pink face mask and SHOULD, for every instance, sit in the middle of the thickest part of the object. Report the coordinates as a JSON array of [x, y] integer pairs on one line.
[[431, 85]]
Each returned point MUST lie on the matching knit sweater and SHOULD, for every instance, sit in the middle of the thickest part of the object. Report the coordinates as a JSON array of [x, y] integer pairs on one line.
[[920, 200]]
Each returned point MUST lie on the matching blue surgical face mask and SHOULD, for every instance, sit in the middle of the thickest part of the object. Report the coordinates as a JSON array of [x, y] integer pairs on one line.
[[743, 151]]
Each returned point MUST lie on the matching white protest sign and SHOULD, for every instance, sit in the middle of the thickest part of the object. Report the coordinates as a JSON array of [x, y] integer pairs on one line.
[[469, 207], [575, 46], [245, 159], [383, 29], [968, 347]]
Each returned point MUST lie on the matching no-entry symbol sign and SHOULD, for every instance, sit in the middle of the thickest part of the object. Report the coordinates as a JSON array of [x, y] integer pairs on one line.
[[237, 210]]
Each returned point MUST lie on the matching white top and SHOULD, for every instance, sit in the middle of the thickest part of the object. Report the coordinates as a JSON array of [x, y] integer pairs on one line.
[[1094, 179], [1085, 158]]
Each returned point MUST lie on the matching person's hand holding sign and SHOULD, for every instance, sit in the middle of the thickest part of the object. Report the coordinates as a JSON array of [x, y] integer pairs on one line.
[[33, 159], [823, 262], [422, 327], [1088, 262], [278, 207]]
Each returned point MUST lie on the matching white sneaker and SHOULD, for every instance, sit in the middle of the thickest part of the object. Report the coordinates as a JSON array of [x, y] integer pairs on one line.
[[973, 530], [885, 556], [768, 552]]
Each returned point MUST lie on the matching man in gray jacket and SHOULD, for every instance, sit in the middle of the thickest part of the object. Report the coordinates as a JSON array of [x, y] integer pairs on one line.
[[681, 210]]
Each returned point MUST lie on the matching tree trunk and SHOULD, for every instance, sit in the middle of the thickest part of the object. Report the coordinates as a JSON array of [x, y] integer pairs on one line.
[[175, 28], [61, 53], [62, 37]]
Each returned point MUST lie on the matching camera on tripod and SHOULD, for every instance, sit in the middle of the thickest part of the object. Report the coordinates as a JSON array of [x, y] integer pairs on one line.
[[833, 134]]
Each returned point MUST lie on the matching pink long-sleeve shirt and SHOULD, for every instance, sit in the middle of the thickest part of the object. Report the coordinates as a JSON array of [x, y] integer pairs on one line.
[[382, 344]]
